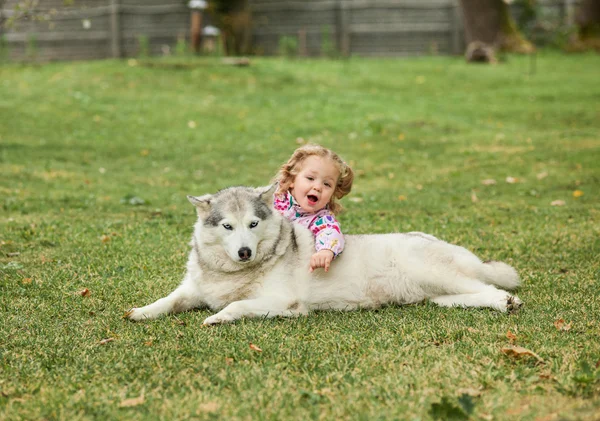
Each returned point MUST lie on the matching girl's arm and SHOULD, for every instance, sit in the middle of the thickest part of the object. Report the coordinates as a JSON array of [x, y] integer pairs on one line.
[[328, 234]]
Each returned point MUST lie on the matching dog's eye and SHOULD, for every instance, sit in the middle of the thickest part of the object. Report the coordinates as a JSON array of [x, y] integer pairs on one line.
[[227, 227], [253, 224]]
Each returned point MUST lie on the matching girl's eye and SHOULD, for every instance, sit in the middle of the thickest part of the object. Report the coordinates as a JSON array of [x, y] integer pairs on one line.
[[253, 224], [310, 178], [328, 185], [227, 227]]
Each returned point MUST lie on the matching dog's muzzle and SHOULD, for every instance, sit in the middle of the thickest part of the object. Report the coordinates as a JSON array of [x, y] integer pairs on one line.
[[244, 253]]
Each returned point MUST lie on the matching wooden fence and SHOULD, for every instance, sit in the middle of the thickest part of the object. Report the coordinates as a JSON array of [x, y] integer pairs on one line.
[[94, 29], [372, 27]]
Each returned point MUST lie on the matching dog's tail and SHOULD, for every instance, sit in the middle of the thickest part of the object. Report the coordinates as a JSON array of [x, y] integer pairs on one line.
[[500, 274]]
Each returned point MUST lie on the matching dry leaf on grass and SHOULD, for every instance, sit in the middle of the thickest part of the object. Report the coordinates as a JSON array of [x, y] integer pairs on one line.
[[84, 292], [488, 182], [518, 352], [254, 347], [511, 336], [401, 197], [132, 402], [542, 175], [512, 180], [105, 238], [127, 314], [474, 198], [577, 193], [105, 341], [558, 203], [561, 325]]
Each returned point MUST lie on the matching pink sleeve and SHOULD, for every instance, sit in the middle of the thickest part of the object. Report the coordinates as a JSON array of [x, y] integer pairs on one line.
[[328, 234]]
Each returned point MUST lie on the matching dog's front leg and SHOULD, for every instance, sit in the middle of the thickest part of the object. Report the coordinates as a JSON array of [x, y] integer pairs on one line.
[[184, 298], [258, 307]]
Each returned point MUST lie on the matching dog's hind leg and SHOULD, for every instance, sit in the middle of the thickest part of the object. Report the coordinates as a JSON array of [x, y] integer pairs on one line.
[[185, 297], [490, 297], [259, 307]]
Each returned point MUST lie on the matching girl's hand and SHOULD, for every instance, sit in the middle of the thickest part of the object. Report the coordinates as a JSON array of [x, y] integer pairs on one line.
[[321, 259]]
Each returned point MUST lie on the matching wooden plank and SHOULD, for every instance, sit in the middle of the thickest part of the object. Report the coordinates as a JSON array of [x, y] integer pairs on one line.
[[343, 28], [413, 27], [115, 29]]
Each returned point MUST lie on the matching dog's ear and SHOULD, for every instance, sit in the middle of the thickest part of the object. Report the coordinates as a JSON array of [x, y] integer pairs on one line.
[[266, 193], [202, 203]]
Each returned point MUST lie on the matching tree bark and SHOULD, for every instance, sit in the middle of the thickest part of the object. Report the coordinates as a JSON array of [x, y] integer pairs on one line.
[[588, 19], [489, 22]]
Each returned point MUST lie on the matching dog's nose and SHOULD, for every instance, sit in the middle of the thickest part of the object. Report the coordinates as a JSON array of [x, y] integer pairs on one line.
[[244, 253]]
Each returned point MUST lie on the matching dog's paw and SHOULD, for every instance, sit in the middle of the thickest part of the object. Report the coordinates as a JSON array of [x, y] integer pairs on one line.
[[137, 314], [513, 304], [217, 319]]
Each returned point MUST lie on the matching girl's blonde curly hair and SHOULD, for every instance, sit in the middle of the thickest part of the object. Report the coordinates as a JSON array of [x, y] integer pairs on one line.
[[288, 171]]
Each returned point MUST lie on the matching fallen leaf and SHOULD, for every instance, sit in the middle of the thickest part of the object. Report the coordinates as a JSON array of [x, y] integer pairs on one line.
[[254, 347], [105, 341], [474, 198], [512, 180], [511, 336], [148, 343], [577, 193], [132, 402], [472, 330], [557, 203], [542, 175], [105, 238], [401, 136], [127, 314], [356, 199], [488, 182], [192, 124], [391, 175], [229, 360], [84, 292], [518, 351], [26, 281], [401, 197], [144, 152], [561, 325]]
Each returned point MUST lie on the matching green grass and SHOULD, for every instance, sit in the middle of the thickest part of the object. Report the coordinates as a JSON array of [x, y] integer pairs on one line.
[[78, 141]]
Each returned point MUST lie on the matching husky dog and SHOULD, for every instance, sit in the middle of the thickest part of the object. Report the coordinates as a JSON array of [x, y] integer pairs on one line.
[[247, 260]]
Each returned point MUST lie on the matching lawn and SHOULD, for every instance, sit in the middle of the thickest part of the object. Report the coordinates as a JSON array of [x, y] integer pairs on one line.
[[96, 160]]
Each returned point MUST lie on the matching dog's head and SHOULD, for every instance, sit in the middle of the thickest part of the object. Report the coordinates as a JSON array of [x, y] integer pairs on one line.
[[235, 219]]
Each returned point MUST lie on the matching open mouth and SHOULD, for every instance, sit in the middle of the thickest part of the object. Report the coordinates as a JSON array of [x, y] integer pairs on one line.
[[312, 199]]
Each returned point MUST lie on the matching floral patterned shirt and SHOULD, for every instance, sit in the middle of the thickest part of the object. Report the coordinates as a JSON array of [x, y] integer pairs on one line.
[[322, 224]]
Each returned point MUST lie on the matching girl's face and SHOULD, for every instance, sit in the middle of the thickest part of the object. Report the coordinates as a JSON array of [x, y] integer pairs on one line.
[[315, 183]]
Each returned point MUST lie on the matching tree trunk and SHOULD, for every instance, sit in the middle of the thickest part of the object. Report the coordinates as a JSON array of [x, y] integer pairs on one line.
[[588, 21], [490, 23]]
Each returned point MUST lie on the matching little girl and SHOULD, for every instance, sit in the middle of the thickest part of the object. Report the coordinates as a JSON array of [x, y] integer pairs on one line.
[[309, 183]]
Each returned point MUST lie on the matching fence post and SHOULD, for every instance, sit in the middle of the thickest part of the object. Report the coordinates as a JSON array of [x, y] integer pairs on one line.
[[115, 28], [343, 28], [569, 8], [455, 24]]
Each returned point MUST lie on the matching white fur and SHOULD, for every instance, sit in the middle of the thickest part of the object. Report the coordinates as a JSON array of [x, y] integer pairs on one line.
[[373, 270]]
